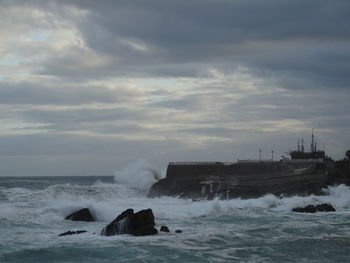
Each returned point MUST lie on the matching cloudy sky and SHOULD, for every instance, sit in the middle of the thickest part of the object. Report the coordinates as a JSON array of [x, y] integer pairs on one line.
[[87, 87]]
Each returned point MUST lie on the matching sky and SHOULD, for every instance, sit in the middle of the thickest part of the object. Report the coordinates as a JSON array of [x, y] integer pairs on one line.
[[87, 87]]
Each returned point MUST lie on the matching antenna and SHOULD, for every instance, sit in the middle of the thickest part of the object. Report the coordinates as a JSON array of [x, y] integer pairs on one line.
[[272, 155], [302, 144], [312, 146], [260, 154], [298, 145]]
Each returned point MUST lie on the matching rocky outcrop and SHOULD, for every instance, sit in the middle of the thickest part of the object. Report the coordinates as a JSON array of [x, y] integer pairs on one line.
[[315, 208], [137, 224], [339, 172], [83, 214], [164, 229], [68, 233]]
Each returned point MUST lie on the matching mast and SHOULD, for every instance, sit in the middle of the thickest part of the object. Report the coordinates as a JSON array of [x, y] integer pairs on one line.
[[260, 155], [302, 144], [312, 146]]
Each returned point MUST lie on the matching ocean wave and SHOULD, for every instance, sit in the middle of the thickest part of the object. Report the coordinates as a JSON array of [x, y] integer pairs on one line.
[[140, 175], [7, 211], [106, 201], [98, 191]]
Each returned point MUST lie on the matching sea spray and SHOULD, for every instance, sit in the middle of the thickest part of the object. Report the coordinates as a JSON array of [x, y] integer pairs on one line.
[[138, 175], [236, 230]]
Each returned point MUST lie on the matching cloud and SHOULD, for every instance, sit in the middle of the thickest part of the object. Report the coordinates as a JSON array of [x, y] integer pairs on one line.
[[88, 80], [295, 39], [54, 92], [291, 42]]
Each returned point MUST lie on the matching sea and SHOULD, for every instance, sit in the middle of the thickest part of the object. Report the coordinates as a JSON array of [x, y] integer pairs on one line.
[[32, 212]]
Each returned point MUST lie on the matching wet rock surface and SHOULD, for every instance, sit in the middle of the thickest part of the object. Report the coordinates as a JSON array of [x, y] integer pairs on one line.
[[137, 224], [68, 233], [164, 229], [83, 214], [315, 208]]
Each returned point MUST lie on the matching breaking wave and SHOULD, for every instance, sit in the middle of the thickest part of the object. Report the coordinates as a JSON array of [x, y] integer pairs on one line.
[[106, 201], [139, 175]]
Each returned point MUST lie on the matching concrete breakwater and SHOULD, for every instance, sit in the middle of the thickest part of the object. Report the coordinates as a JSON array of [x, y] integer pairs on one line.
[[245, 179]]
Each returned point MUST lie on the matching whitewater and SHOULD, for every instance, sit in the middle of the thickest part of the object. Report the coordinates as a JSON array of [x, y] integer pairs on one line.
[[32, 211]]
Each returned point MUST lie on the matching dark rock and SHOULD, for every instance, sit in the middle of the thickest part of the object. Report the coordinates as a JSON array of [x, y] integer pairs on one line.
[[119, 225], [306, 209], [325, 208], [68, 233], [164, 229], [314, 208], [178, 231], [142, 223], [211, 196], [128, 222], [83, 214]]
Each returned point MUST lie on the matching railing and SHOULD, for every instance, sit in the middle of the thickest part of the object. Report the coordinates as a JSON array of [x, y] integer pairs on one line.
[[304, 161], [249, 161], [255, 161], [201, 163]]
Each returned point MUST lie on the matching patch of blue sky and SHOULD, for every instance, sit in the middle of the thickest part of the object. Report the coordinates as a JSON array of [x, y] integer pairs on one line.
[[10, 61], [32, 36], [40, 36]]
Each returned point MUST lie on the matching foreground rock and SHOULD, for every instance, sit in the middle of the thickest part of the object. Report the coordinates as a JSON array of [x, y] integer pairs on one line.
[[137, 224], [164, 229], [68, 233], [83, 214], [315, 208]]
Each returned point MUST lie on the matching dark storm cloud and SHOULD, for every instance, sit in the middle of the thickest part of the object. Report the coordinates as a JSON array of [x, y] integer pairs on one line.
[[219, 21], [300, 44], [286, 105], [304, 44]]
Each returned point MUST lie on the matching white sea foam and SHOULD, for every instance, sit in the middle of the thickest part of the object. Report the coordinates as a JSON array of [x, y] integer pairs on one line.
[[7, 211], [98, 191], [138, 175], [106, 201], [209, 226], [172, 208], [338, 196]]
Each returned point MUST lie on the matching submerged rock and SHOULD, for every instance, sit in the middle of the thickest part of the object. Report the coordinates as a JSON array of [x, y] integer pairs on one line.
[[315, 208], [137, 224], [68, 233], [164, 229], [83, 214], [178, 231]]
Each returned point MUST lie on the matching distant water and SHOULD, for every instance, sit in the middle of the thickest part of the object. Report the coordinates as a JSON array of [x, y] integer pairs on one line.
[[32, 211]]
